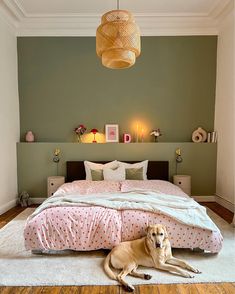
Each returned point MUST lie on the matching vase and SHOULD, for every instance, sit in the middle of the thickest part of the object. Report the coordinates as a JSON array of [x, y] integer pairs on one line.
[[29, 137], [79, 138]]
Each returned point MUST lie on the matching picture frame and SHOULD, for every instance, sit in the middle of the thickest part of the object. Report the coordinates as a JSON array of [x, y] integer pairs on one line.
[[112, 133]]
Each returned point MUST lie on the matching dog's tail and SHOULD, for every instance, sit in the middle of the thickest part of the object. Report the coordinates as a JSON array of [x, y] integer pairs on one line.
[[107, 268]]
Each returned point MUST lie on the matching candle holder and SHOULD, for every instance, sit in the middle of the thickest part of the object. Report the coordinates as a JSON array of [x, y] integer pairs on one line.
[[137, 134], [142, 135]]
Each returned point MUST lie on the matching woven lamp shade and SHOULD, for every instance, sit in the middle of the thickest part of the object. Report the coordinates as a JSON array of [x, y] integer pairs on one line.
[[118, 39]]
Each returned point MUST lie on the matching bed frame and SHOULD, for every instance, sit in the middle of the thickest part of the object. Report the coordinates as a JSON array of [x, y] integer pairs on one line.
[[157, 170]]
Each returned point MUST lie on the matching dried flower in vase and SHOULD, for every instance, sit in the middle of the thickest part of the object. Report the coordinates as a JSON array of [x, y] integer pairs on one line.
[[156, 133], [79, 131]]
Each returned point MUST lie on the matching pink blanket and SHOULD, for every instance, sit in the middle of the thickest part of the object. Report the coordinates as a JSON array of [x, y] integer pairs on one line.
[[90, 228]]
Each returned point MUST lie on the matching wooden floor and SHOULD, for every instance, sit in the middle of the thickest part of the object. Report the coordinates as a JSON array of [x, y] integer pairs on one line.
[[215, 288], [222, 288]]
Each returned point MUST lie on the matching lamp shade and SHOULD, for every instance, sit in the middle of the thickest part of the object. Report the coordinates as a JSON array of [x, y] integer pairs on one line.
[[118, 39], [94, 131]]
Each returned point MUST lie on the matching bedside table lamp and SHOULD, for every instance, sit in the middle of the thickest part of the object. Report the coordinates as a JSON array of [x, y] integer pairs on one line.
[[94, 132]]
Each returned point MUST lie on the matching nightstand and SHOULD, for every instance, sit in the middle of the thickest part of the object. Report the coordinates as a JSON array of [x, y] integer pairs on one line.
[[53, 183], [184, 182]]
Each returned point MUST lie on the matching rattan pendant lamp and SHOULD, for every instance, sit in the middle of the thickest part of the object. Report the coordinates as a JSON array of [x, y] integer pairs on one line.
[[118, 39]]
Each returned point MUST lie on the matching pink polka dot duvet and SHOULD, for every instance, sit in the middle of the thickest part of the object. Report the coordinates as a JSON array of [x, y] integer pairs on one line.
[[85, 228]]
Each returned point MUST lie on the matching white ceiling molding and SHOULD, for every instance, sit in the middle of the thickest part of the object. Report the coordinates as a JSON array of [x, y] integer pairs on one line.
[[84, 24], [8, 18], [220, 14]]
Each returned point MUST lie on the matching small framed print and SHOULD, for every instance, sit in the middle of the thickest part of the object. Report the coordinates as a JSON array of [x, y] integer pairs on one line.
[[111, 133]]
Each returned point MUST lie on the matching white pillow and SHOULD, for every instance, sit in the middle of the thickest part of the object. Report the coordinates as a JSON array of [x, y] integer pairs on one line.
[[92, 165], [143, 164], [118, 174]]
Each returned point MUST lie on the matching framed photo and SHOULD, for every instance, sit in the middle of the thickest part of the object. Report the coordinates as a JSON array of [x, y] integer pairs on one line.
[[111, 133]]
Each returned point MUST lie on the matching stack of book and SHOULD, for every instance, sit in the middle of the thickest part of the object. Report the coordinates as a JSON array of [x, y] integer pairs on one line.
[[212, 137]]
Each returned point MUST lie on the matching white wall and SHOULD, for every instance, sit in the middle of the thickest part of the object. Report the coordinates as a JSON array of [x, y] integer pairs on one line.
[[9, 117], [234, 115], [224, 112]]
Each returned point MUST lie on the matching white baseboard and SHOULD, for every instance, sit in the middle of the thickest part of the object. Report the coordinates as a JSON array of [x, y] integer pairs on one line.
[[209, 198], [36, 200], [7, 206], [225, 203]]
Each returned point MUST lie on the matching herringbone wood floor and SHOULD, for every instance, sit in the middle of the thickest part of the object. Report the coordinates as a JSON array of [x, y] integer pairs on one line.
[[218, 288]]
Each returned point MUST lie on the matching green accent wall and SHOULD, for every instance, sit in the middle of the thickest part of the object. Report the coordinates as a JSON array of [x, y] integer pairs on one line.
[[35, 161], [62, 84]]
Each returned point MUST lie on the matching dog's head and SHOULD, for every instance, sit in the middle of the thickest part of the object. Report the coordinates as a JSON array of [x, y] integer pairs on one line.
[[156, 234]]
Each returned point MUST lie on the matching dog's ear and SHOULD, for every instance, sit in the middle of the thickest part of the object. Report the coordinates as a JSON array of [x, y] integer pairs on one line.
[[165, 232], [148, 228]]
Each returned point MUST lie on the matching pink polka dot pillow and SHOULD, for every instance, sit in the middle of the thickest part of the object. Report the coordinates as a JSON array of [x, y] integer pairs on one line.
[[88, 187], [156, 185]]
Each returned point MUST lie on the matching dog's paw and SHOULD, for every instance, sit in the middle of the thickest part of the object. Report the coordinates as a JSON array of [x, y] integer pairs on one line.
[[188, 275], [195, 270], [147, 277], [129, 288]]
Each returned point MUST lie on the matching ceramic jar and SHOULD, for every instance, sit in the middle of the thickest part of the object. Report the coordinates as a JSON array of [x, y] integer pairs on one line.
[[29, 137]]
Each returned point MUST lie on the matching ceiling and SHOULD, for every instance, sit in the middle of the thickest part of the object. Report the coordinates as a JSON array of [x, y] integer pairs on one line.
[[65, 7], [79, 17]]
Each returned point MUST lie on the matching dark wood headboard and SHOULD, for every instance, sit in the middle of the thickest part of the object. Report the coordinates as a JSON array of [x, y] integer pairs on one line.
[[157, 170]]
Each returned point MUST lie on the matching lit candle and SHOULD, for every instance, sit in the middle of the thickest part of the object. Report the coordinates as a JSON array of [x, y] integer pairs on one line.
[[137, 133], [142, 135]]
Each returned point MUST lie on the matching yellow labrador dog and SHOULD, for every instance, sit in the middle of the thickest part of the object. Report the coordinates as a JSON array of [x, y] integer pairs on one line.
[[154, 250]]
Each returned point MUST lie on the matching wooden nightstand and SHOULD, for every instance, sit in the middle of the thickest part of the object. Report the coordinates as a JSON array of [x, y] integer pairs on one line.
[[53, 183], [184, 182]]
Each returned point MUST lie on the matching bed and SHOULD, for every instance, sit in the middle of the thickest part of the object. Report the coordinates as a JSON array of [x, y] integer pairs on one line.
[[85, 215]]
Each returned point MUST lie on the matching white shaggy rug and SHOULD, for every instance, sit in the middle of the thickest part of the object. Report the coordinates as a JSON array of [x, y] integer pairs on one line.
[[19, 267]]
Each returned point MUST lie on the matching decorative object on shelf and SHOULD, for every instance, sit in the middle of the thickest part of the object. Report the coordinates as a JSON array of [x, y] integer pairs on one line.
[[137, 133], [79, 131], [23, 199], [142, 135], [29, 137], [156, 133], [178, 158], [199, 135], [208, 137], [94, 132], [184, 182], [118, 39], [212, 137], [111, 133], [126, 138], [56, 159]]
